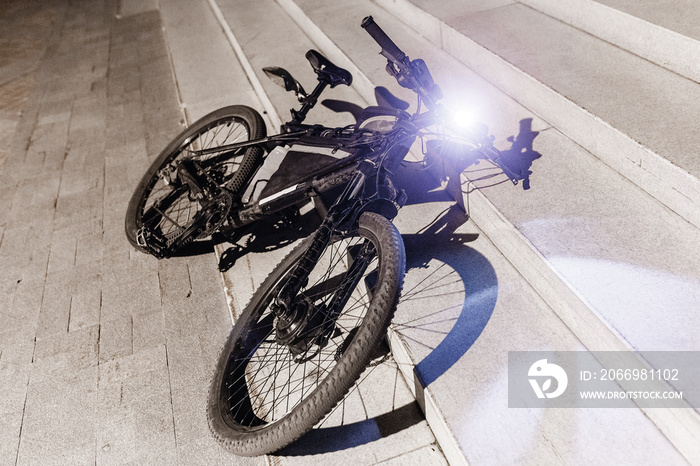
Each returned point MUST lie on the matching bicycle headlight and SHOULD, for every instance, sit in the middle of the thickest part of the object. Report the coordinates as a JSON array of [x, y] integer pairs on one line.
[[462, 118]]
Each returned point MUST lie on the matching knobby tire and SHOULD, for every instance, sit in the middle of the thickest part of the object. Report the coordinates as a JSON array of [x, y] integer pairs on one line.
[[260, 399]]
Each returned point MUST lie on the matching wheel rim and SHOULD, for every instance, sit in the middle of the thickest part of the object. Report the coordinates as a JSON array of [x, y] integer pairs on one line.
[[168, 208], [264, 381]]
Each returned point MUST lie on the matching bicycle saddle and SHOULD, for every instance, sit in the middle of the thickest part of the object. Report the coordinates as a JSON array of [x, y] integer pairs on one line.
[[327, 71]]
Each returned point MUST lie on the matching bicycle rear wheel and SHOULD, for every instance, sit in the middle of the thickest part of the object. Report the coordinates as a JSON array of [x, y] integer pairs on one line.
[[164, 206], [269, 389]]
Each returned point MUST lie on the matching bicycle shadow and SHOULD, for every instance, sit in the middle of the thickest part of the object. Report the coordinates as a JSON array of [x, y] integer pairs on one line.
[[460, 287], [521, 155], [265, 235], [392, 420]]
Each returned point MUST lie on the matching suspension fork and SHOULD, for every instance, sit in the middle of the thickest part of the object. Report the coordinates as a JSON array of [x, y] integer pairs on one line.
[[338, 212], [356, 270]]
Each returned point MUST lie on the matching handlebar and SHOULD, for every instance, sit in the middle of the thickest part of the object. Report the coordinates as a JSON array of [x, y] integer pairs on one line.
[[412, 75], [389, 49], [415, 75]]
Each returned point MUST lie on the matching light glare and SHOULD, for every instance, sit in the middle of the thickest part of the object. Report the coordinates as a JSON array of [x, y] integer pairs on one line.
[[463, 118]]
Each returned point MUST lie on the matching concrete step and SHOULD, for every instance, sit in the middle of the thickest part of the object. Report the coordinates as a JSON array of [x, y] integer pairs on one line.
[[463, 309], [256, 49], [665, 33], [436, 343], [570, 236], [637, 117]]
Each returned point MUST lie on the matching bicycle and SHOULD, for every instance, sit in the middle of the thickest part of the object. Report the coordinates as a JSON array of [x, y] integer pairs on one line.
[[313, 325]]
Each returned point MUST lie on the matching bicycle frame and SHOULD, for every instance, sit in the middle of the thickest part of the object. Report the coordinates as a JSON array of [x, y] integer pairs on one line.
[[337, 173], [227, 208]]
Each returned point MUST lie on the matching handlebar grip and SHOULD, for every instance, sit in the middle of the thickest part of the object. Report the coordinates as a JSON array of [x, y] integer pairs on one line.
[[389, 48]]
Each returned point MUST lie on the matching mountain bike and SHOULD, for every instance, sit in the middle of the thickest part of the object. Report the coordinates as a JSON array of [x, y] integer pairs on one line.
[[314, 324]]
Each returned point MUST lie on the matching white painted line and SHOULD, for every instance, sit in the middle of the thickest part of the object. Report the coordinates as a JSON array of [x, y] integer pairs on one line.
[[271, 114]]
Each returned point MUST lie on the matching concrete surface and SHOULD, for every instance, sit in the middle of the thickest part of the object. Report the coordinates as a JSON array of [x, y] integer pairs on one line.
[[592, 288], [647, 149], [665, 33], [105, 354], [681, 16], [645, 101], [463, 309]]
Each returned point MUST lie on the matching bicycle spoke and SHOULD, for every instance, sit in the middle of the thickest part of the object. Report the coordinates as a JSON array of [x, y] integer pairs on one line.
[[172, 210], [271, 380]]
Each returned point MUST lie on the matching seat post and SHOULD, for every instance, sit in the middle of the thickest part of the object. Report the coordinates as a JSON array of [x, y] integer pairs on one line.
[[309, 101]]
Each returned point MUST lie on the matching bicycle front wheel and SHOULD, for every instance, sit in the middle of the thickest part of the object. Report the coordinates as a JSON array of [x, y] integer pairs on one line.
[[165, 206], [269, 389]]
